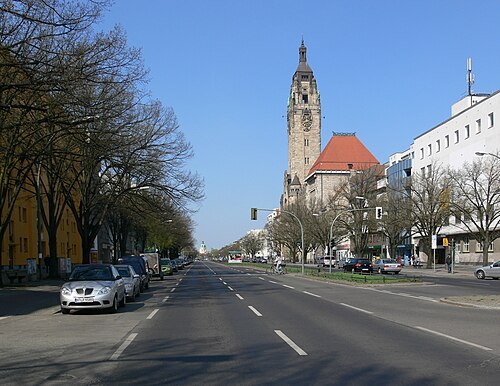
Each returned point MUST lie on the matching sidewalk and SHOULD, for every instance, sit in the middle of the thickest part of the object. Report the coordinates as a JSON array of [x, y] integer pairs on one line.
[[441, 270]]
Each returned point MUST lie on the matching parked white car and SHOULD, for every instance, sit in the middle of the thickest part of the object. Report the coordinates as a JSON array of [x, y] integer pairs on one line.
[[93, 286]]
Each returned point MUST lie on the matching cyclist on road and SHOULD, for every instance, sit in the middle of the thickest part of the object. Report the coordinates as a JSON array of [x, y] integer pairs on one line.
[[277, 264]]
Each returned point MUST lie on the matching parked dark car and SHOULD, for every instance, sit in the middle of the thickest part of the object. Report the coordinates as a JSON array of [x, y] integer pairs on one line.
[[139, 265], [355, 264]]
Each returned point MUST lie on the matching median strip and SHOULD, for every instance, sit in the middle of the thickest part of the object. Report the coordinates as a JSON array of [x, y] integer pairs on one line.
[[290, 342]]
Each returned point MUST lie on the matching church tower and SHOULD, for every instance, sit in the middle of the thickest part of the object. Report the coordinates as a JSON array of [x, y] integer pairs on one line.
[[304, 127]]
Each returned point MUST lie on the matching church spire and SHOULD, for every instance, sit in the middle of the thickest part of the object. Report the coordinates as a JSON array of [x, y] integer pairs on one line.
[[303, 66]]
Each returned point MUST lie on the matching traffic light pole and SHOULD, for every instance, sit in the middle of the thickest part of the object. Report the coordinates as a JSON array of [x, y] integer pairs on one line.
[[254, 217]]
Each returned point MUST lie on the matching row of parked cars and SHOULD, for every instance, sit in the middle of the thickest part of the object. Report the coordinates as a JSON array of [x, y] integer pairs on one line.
[[362, 265], [107, 286]]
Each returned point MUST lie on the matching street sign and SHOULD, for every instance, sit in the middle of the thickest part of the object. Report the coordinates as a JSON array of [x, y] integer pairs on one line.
[[434, 242], [445, 241]]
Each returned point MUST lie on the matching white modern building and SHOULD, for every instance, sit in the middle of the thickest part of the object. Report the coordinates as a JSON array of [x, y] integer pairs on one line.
[[471, 128]]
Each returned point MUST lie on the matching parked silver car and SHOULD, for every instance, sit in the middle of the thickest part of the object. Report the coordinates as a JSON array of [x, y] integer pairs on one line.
[[132, 281], [386, 265], [93, 286], [492, 270]]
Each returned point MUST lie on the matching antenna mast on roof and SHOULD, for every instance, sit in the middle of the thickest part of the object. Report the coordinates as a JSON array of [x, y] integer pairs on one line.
[[470, 76]]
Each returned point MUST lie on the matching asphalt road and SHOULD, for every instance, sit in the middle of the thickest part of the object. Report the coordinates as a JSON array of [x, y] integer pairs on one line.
[[216, 324]]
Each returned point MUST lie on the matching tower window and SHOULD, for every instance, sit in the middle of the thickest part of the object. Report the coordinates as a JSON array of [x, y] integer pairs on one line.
[[304, 77], [306, 142], [305, 98], [491, 122], [306, 160]]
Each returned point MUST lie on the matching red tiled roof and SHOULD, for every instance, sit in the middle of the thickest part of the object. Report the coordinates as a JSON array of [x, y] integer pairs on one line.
[[341, 152]]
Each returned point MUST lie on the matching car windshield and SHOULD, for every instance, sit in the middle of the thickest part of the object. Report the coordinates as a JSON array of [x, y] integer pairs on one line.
[[363, 261], [390, 261], [123, 271], [91, 273], [165, 261]]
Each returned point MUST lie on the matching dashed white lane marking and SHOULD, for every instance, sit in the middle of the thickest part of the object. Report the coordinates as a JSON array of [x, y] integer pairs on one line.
[[255, 311], [288, 286], [224, 283], [290, 342], [172, 290], [356, 308], [165, 299], [123, 346], [261, 278], [153, 313], [229, 288], [220, 278], [274, 282], [453, 338], [239, 296], [310, 293]]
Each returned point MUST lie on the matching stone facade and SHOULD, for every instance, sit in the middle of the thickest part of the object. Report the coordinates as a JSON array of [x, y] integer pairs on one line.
[[304, 127]]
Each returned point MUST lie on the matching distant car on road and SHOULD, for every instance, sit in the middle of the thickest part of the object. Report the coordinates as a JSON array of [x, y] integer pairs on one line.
[[166, 268], [387, 265], [355, 264], [93, 286], [492, 270], [325, 261]]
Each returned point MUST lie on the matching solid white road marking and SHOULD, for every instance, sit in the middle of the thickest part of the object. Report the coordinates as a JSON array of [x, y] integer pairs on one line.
[[288, 286], [453, 338], [123, 346], [255, 311], [309, 293], [356, 308], [239, 296], [153, 313], [290, 342]]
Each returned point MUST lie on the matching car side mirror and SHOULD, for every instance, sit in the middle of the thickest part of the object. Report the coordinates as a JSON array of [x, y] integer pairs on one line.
[[136, 276], [118, 277]]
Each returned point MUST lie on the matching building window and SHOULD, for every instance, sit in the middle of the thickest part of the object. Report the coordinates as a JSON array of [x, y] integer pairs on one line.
[[491, 121], [422, 153], [429, 170], [25, 245], [478, 126], [465, 245], [422, 171], [438, 146], [306, 160], [467, 132], [429, 149], [446, 141], [305, 99], [457, 136], [479, 247], [306, 142], [25, 215]]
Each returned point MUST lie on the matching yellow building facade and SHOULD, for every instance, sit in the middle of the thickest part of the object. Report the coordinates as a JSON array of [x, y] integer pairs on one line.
[[20, 243]]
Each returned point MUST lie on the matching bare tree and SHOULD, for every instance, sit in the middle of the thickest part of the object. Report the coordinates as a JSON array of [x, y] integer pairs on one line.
[[475, 200], [430, 204], [252, 242]]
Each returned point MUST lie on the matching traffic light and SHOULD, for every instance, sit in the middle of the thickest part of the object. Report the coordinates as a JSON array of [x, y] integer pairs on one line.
[[253, 214], [378, 212]]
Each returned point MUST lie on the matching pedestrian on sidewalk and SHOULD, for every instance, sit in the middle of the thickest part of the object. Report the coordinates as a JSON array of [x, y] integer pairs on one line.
[[448, 263]]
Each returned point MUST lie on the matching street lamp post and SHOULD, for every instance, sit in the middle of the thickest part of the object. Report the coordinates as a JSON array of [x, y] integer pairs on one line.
[[39, 220]]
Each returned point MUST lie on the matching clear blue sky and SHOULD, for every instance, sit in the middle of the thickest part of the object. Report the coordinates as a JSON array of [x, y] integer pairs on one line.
[[388, 70]]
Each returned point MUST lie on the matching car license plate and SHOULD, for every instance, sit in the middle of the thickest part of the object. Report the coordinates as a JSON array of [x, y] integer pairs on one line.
[[84, 300]]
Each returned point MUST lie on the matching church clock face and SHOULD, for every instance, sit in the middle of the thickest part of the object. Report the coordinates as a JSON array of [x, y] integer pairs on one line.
[[307, 120]]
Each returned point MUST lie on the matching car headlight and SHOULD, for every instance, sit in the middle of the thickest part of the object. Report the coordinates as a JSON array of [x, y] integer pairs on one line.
[[65, 291], [104, 291]]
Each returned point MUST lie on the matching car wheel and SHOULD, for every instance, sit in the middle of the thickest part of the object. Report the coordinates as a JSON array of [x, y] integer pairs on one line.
[[495, 278], [480, 274], [114, 306], [123, 301], [132, 297], [65, 311]]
